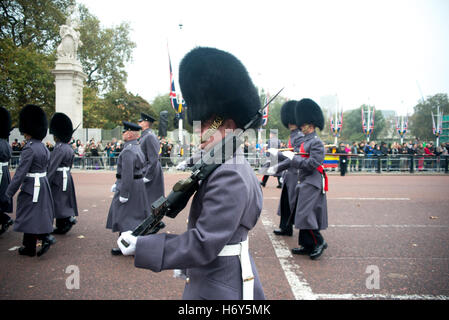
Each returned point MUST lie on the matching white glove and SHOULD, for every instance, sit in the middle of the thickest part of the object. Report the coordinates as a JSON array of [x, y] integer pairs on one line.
[[114, 188], [131, 240], [273, 151], [182, 165], [271, 170], [145, 180], [288, 154], [123, 200]]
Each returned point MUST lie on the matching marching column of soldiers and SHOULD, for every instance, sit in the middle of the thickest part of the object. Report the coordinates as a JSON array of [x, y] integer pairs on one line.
[[212, 255]]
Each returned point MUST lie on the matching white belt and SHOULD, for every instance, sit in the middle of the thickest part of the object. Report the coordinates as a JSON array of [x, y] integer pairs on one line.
[[2, 164], [64, 177], [241, 250], [37, 183]]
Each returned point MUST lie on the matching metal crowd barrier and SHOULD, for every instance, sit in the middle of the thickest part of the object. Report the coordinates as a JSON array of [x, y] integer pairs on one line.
[[355, 163]]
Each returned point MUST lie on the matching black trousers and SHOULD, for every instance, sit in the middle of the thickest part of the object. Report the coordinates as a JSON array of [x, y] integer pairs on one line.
[[309, 239], [287, 217]]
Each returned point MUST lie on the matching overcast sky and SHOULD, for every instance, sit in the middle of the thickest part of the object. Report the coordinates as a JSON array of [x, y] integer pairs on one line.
[[382, 52]]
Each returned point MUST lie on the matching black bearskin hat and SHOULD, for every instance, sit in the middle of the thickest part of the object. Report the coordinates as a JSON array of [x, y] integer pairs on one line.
[[33, 121], [288, 112], [61, 127], [5, 123], [308, 111], [214, 82]]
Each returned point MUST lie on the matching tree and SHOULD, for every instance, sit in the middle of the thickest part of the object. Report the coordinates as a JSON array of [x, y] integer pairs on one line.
[[29, 36], [25, 77], [352, 125], [35, 22], [420, 123], [104, 52]]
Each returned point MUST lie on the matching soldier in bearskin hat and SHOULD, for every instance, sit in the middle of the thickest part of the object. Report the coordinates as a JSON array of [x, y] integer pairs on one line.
[[287, 203], [35, 208], [213, 253], [311, 204], [130, 205], [5, 177], [150, 145], [59, 176]]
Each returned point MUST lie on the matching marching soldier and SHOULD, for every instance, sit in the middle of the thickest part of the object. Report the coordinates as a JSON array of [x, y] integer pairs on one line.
[[150, 145], [35, 208], [130, 205], [59, 176], [287, 203], [273, 142], [213, 252], [5, 177], [311, 207]]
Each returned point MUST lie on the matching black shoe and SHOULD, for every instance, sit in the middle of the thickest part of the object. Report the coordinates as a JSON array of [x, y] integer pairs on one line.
[[6, 225], [116, 252], [25, 251], [262, 184], [45, 246], [301, 251], [51, 239], [279, 186], [282, 232], [318, 251]]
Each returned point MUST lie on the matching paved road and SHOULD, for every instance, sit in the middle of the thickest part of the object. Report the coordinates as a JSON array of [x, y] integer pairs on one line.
[[388, 239]]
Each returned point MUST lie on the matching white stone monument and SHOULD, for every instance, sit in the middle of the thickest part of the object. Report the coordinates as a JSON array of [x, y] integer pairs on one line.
[[69, 75]]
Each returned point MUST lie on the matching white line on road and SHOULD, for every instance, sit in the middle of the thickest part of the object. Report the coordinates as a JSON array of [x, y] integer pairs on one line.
[[387, 226], [381, 296], [351, 198], [300, 288], [356, 198]]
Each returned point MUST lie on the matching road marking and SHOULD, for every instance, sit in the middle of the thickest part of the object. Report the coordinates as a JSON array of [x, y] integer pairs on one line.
[[299, 286], [387, 226], [357, 198], [351, 296], [351, 198]]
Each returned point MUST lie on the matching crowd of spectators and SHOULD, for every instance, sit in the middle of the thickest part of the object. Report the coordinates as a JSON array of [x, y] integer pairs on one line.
[[94, 154]]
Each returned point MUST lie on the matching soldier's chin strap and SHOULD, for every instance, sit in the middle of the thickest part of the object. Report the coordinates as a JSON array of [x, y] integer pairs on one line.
[[218, 121]]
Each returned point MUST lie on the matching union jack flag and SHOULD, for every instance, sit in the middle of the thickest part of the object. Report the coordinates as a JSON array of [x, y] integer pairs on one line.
[[337, 124], [265, 111], [173, 97]]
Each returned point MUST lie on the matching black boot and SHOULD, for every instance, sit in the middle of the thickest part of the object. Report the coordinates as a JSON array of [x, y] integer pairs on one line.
[[46, 243], [283, 232], [27, 251], [6, 225], [301, 251], [318, 251]]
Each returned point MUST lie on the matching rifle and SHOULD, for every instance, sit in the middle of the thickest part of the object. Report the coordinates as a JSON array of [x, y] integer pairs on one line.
[[184, 189]]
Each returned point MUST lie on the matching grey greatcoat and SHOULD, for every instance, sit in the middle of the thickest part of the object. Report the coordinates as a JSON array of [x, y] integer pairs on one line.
[[126, 216], [311, 208], [5, 156], [225, 208], [65, 201], [290, 175], [152, 171], [32, 217]]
